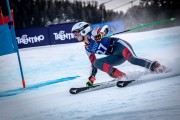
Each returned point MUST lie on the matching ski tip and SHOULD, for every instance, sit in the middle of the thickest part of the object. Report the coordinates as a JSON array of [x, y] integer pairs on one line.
[[73, 91], [123, 83]]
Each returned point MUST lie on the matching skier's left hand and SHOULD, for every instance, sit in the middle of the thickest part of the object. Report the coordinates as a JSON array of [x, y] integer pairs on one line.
[[99, 36]]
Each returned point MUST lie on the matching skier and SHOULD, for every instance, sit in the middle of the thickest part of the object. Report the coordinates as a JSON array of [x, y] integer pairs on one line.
[[116, 49]]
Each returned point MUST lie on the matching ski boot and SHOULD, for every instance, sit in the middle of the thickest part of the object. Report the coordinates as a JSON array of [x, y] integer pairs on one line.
[[158, 68]]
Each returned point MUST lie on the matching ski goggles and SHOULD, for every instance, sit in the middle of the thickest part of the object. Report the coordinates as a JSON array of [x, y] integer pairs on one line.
[[76, 33]]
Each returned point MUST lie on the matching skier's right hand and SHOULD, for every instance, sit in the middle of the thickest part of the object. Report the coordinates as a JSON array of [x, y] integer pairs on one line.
[[91, 80]]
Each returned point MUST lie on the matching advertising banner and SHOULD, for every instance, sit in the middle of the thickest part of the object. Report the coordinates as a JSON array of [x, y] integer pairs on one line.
[[61, 33], [56, 34], [31, 37]]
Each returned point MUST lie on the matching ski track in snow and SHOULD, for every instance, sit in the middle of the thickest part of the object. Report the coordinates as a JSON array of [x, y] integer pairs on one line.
[[151, 97]]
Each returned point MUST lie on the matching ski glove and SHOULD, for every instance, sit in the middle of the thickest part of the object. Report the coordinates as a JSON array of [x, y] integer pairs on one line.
[[92, 78], [99, 36], [90, 81], [99, 32]]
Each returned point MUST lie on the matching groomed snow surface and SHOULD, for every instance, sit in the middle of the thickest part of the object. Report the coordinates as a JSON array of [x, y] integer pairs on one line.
[[51, 71]]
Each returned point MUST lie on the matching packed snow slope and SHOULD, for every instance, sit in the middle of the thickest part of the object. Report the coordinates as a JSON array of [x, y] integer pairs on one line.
[[51, 71]]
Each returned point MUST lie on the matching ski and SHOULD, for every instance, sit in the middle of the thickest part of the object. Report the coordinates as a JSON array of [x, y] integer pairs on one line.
[[80, 89], [121, 84], [99, 86], [94, 87]]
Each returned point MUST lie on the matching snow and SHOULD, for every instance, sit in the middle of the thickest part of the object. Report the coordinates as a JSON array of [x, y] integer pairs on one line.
[[51, 71]]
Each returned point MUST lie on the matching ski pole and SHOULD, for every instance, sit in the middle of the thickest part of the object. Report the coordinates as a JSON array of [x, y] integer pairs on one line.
[[142, 26]]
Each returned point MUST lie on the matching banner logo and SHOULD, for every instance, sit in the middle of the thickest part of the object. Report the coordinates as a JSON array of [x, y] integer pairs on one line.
[[24, 39], [63, 36]]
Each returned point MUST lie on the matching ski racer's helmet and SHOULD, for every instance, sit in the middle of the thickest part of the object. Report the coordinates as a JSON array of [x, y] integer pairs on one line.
[[82, 28]]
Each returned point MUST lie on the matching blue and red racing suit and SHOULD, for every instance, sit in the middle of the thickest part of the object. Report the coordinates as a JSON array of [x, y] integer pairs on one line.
[[117, 51]]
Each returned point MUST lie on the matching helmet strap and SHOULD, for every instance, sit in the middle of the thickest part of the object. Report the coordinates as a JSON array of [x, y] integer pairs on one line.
[[83, 38], [86, 44]]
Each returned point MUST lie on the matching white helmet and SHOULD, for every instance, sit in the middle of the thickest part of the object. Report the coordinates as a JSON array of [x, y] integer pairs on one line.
[[83, 28]]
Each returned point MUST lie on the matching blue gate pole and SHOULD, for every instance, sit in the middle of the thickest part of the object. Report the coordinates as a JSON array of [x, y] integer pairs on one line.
[[15, 44]]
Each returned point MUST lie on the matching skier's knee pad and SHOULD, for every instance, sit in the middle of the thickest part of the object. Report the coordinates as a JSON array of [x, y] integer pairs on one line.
[[127, 54], [132, 60]]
